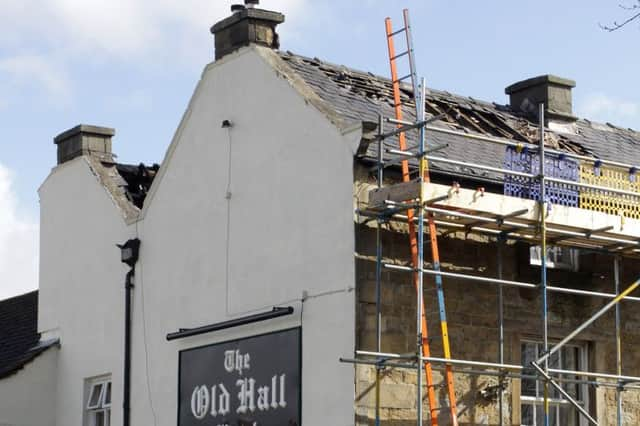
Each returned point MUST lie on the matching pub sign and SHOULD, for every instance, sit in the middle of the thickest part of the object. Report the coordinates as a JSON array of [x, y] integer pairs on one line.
[[246, 382]]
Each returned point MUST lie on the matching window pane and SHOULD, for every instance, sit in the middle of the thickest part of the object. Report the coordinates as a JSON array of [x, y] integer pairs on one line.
[[529, 353], [107, 394], [96, 396], [553, 417], [572, 388], [552, 391], [540, 415], [107, 417], [527, 416], [528, 385], [570, 357], [100, 418], [554, 359], [554, 362], [570, 362]]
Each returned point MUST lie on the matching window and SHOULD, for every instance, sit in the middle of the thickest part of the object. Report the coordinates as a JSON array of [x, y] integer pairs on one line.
[[557, 257], [561, 412], [98, 405]]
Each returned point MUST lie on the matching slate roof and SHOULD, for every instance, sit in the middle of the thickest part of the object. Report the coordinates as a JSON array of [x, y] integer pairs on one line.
[[19, 337], [137, 181], [127, 184], [359, 95]]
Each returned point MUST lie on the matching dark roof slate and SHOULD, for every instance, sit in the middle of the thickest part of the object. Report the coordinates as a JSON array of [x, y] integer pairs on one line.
[[19, 337], [137, 180], [359, 95]]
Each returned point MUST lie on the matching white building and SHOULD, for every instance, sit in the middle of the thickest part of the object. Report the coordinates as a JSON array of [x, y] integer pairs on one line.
[[241, 299], [247, 164]]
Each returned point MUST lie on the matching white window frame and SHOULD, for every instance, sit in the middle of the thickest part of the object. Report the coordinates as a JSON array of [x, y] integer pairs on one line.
[[558, 257], [102, 405], [555, 403]]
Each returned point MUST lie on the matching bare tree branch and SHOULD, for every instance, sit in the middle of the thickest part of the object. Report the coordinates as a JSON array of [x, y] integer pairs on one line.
[[617, 25], [632, 7]]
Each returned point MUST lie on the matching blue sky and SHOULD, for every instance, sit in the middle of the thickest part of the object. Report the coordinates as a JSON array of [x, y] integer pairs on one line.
[[133, 64]]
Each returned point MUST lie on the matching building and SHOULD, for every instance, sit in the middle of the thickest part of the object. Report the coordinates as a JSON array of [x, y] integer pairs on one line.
[[27, 364], [244, 302]]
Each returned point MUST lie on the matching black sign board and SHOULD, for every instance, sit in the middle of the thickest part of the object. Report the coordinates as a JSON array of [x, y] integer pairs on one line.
[[245, 382]]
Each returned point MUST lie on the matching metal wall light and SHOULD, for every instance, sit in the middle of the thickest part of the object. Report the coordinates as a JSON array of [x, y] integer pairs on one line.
[[129, 251]]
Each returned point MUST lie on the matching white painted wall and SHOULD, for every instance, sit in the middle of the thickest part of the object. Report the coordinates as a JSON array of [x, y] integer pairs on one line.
[[288, 228], [27, 398], [81, 284]]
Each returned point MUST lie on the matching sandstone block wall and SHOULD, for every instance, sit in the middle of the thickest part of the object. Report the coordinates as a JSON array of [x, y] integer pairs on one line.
[[472, 311]]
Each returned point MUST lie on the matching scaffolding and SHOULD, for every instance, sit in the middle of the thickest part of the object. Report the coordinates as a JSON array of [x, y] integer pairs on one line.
[[423, 203]]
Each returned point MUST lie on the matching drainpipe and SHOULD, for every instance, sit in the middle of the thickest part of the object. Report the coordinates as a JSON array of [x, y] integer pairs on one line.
[[129, 255], [126, 404]]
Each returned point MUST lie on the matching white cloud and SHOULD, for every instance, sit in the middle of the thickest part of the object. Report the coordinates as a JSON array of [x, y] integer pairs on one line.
[[601, 107], [39, 71], [123, 28], [18, 243], [66, 36]]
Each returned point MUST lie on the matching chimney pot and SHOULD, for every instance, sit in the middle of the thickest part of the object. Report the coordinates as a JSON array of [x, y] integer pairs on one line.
[[85, 140], [247, 25], [553, 91]]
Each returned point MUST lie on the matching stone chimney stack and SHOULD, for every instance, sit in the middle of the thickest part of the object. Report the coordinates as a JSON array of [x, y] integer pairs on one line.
[[245, 26], [554, 92], [84, 140]]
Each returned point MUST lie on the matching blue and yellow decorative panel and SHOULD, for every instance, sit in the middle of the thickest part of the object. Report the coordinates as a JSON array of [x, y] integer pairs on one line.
[[610, 177], [558, 166]]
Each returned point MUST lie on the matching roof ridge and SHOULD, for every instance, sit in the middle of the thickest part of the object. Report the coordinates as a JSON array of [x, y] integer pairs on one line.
[[434, 91], [362, 95], [439, 92]]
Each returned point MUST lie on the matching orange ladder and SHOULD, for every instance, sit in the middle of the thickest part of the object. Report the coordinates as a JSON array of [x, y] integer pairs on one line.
[[426, 352]]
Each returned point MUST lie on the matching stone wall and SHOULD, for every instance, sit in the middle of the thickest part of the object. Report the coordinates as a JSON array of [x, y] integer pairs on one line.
[[472, 311]]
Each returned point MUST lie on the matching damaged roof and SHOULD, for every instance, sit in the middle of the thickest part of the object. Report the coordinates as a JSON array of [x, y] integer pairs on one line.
[[19, 338], [127, 184], [361, 96], [137, 181]]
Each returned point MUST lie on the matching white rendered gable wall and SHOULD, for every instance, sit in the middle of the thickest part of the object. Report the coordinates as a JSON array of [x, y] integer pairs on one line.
[[285, 232], [81, 297], [286, 229]]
